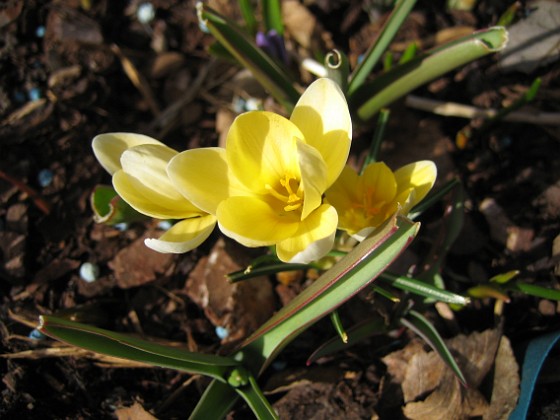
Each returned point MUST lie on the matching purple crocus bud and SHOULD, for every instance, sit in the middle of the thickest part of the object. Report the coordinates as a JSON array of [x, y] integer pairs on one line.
[[273, 45]]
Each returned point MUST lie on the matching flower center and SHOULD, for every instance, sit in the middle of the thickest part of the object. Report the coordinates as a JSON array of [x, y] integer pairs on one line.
[[369, 206], [289, 191]]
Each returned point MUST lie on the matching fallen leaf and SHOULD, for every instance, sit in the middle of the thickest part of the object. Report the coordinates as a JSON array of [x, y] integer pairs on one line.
[[137, 264], [534, 41], [505, 389], [239, 308], [431, 390], [134, 412]]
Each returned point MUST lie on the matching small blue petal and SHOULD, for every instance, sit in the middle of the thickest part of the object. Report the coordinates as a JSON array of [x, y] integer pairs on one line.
[[89, 272], [222, 332]]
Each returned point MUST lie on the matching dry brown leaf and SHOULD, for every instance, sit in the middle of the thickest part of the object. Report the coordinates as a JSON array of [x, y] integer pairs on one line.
[[397, 361], [424, 375], [134, 412], [241, 307], [137, 264], [505, 390]]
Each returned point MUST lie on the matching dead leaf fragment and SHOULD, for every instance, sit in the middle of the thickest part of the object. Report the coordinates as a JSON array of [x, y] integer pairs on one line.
[[241, 307], [134, 412], [431, 390], [137, 264], [505, 389]]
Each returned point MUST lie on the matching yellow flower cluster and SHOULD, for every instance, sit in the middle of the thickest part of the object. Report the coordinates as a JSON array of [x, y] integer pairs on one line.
[[278, 181]]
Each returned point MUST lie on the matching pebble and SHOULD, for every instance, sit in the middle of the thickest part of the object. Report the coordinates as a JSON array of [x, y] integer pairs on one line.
[[34, 94], [222, 332], [45, 177], [36, 335], [89, 272], [121, 226], [145, 13], [164, 225], [40, 31]]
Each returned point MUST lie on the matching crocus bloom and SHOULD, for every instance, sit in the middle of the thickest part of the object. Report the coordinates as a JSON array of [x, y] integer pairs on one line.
[[266, 187], [138, 164], [365, 201]]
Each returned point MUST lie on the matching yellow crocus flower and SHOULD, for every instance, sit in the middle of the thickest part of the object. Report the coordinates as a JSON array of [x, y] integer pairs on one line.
[[266, 187], [138, 164], [365, 201]]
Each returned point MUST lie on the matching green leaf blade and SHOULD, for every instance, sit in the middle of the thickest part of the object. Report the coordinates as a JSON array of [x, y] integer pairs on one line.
[[127, 347], [369, 98]]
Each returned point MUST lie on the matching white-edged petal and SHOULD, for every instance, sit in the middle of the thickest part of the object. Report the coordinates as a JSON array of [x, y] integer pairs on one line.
[[109, 147], [184, 236]]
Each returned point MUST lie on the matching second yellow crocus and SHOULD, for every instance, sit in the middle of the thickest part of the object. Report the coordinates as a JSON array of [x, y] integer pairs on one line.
[[138, 164]]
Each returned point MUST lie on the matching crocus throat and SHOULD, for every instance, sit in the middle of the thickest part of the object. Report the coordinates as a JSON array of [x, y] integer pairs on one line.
[[290, 192], [368, 205]]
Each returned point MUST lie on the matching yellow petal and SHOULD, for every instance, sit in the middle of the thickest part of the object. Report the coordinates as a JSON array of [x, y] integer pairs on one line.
[[323, 117], [146, 166], [202, 175], [319, 225], [344, 194], [253, 222], [109, 147], [183, 236], [379, 183], [313, 177], [418, 175], [147, 202], [261, 149]]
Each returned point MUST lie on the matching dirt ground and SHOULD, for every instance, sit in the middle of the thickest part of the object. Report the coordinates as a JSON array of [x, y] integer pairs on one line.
[[72, 69]]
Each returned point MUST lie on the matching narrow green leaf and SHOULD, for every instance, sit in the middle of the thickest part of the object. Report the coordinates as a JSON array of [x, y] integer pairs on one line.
[[387, 294], [452, 225], [488, 291], [409, 53], [375, 145], [432, 198], [537, 291], [356, 334], [503, 278], [256, 400], [522, 101], [369, 98], [398, 15], [346, 278], [264, 270], [421, 326], [248, 14], [272, 15], [266, 71], [337, 324], [421, 288], [132, 348], [509, 16], [216, 401]]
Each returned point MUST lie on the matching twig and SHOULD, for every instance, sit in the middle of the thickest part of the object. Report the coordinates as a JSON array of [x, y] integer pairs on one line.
[[34, 195], [452, 109]]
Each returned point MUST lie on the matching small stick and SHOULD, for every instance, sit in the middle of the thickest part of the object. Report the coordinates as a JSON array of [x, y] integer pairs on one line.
[[453, 109], [34, 195]]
